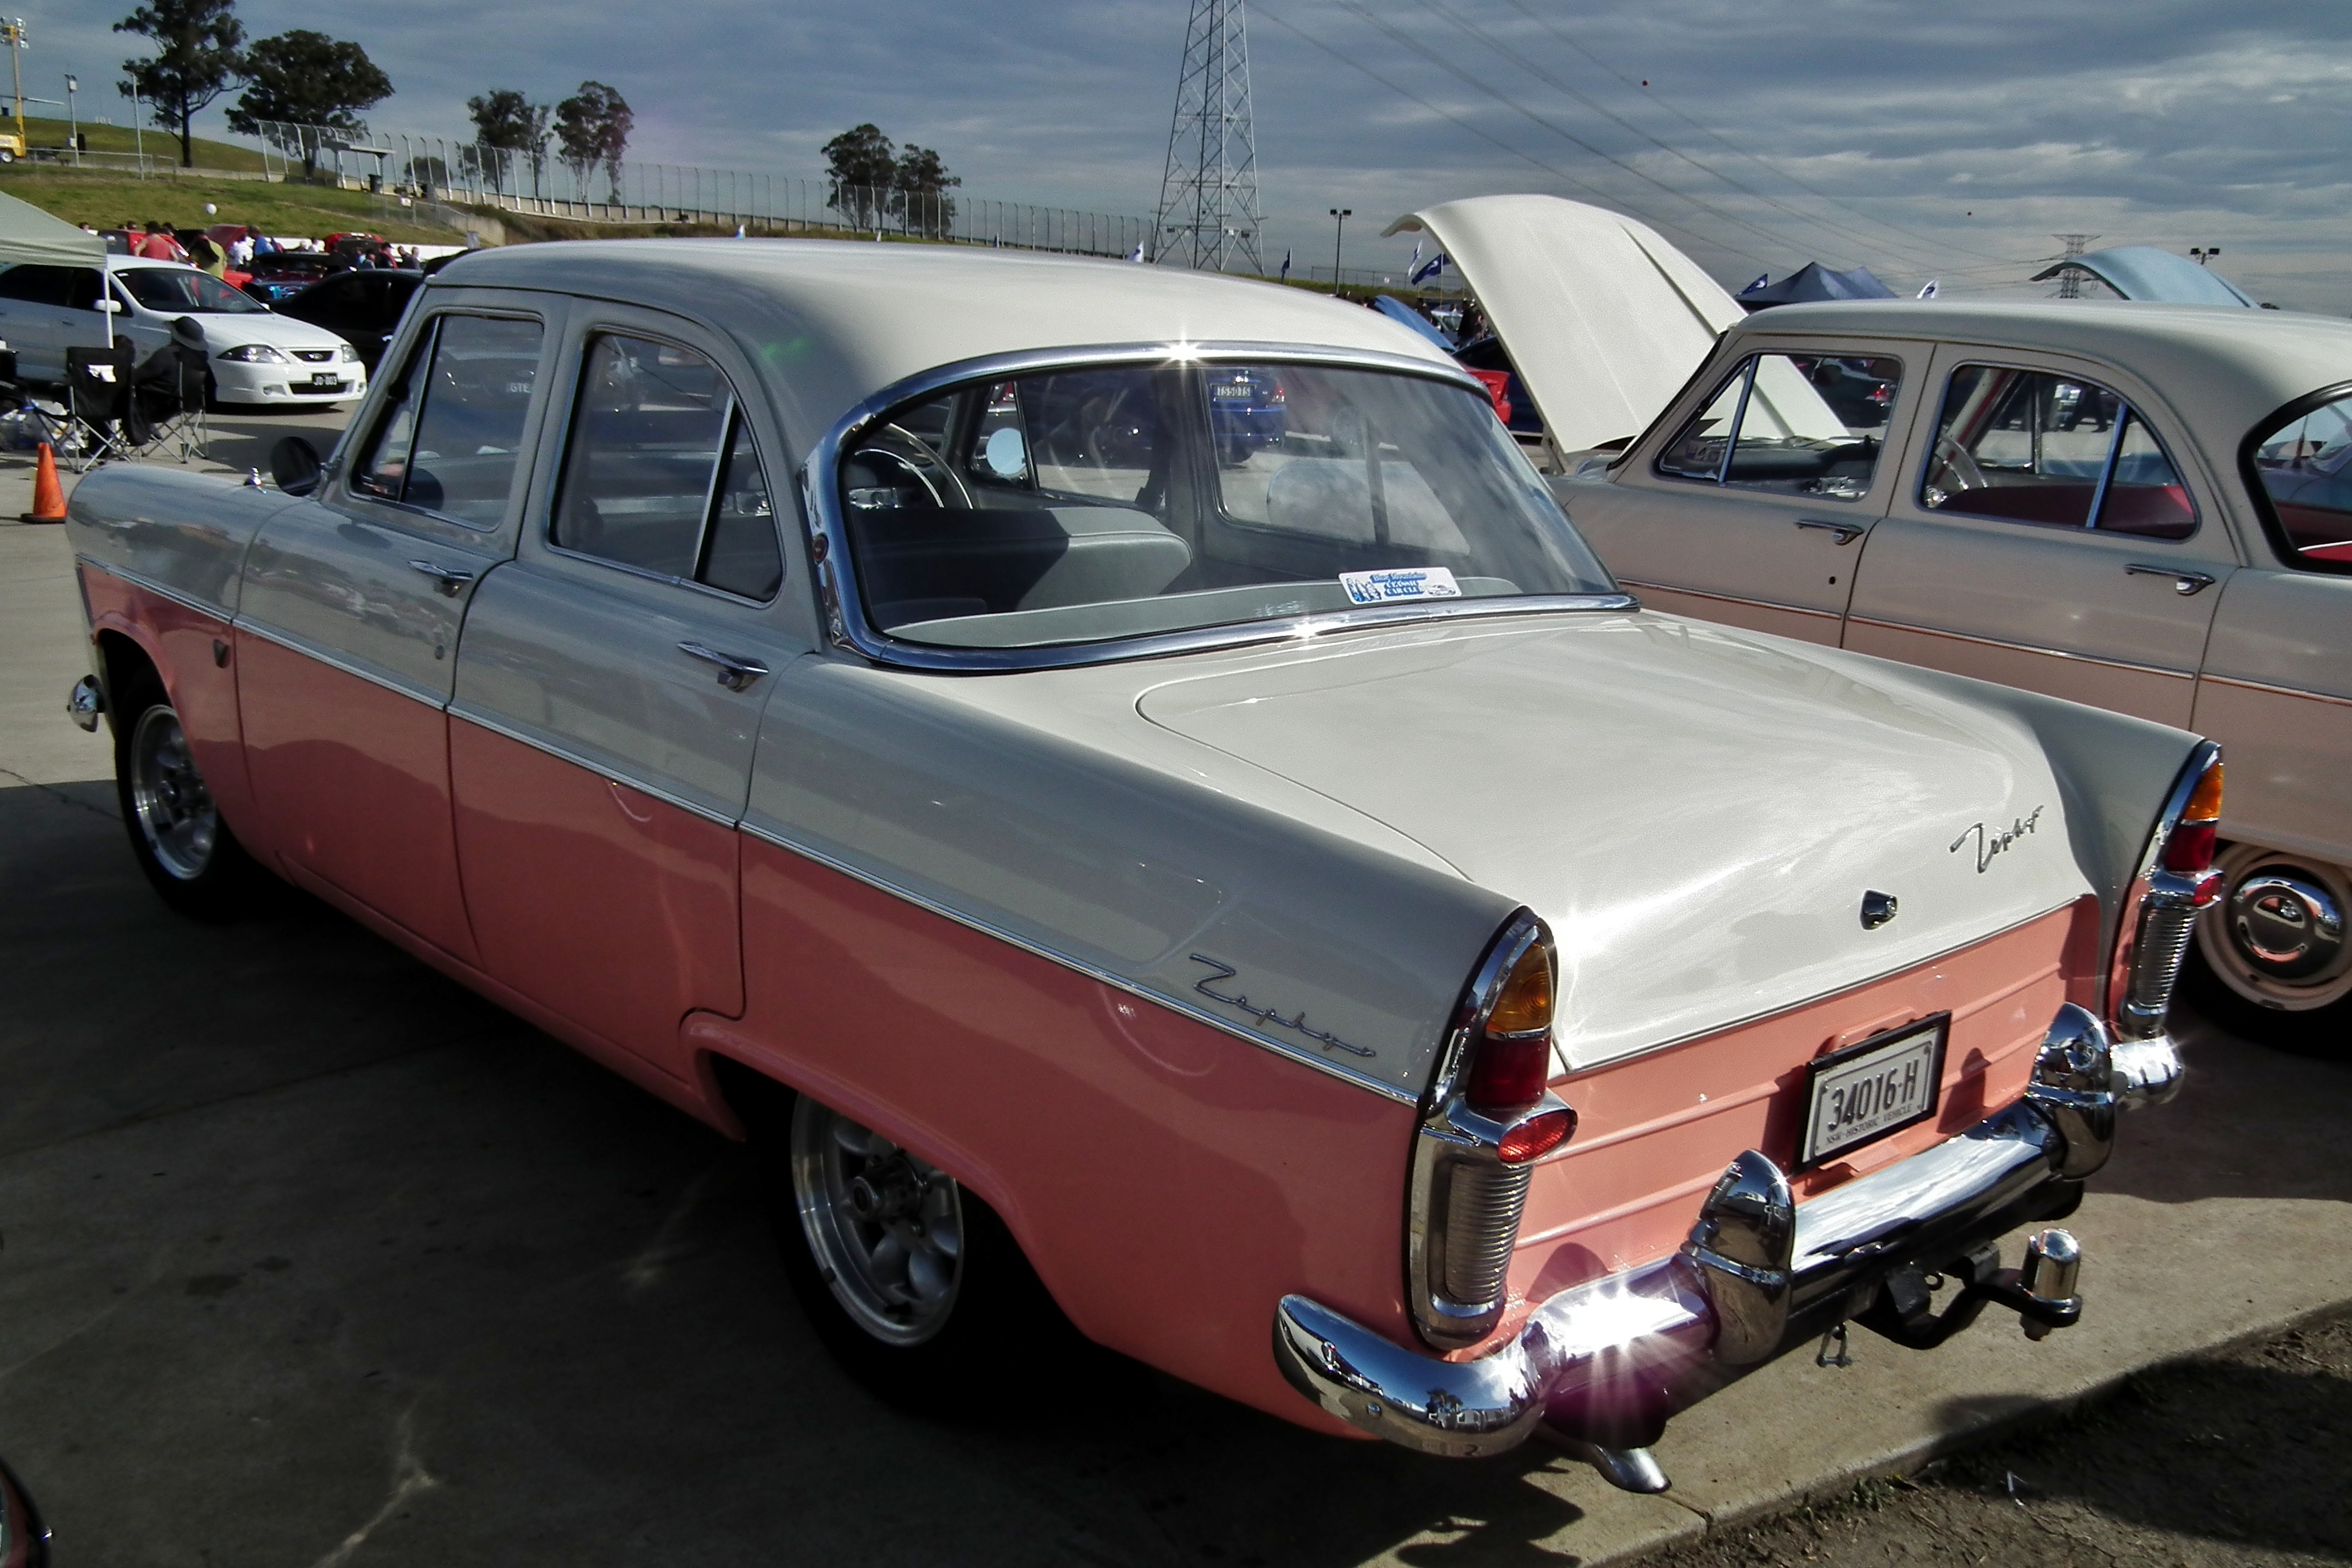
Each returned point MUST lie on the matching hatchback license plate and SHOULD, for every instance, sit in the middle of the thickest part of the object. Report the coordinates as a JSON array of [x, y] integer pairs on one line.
[[1868, 1090], [326, 380]]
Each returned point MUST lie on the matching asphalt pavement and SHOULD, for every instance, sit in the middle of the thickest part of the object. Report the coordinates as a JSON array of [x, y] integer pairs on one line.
[[312, 1257]]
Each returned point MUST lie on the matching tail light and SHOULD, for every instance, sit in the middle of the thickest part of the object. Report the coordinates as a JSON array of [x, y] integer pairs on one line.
[[1488, 1120], [2176, 881]]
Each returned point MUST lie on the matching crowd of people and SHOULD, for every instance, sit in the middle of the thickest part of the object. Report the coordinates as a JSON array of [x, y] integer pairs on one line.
[[230, 247]]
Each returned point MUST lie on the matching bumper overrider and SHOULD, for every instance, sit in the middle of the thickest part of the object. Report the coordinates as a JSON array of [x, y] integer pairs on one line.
[[1603, 1364]]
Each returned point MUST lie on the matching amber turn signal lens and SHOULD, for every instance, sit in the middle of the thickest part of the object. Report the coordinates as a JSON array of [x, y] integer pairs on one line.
[[2190, 850], [1536, 1137], [1523, 1007]]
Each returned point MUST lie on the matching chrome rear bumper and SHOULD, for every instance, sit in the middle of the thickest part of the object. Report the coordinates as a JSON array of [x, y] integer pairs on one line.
[[1660, 1337]]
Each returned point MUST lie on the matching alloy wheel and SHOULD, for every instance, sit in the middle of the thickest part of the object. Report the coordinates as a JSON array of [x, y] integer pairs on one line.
[[175, 812], [885, 1228]]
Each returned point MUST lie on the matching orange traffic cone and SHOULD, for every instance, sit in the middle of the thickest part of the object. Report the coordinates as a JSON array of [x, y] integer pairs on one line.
[[48, 496]]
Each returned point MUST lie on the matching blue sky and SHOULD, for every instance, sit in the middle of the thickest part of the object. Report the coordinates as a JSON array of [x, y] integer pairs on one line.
[[1921, 140]]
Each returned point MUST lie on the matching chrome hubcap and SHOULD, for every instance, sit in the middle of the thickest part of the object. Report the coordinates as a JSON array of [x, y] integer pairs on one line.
[[887, 1228], [2277, 935], [174, 809]]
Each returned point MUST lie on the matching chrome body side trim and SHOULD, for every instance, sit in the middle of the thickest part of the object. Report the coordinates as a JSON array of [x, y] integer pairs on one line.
[[605, 771], [1732, 599], [843, 611], [2244, 685], [2021, 647], [1584, 1342], [1300, 1054], [336, 661], [139, 580]]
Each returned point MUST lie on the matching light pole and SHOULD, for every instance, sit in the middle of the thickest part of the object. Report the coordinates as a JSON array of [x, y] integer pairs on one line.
[[1339, 216], [73, 119], [2205, 256], [15, 31]]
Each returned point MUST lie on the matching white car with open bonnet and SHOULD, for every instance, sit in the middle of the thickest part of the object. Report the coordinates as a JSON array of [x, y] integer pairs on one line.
[[1126, 788]]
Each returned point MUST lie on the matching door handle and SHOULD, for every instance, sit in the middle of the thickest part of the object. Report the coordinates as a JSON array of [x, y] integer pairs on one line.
[[1845, 532], [446, 580], [735, 674], [2184, 584]]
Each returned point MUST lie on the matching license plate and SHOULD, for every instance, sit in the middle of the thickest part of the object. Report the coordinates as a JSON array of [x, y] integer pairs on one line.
[[326, 380], [1231, 392], [1868, 1090]]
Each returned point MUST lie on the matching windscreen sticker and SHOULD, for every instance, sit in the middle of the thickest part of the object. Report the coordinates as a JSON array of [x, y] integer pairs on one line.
[[1399, 582]]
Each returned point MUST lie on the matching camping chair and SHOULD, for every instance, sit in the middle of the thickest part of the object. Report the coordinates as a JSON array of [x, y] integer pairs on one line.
[[33, 420], [101, 414], [167, 397]]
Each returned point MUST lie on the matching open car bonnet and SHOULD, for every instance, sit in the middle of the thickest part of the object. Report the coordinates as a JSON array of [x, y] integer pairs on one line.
[[1602, 318], [1698, 813]]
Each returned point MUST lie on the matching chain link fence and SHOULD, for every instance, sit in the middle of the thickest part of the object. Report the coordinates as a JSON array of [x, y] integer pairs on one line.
[[539, 181]]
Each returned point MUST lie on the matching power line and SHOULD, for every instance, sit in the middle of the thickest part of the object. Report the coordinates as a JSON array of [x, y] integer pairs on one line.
[[1439, 8], [1476, 85], [1758, 159], [1552, 169]]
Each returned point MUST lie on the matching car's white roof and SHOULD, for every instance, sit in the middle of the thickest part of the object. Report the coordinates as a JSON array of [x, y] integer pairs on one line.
[[831, 323], [2222, 369]]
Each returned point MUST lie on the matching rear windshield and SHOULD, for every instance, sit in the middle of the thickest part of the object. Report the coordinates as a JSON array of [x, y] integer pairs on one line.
[[181, 290], [2304, 465], [1089, 505]]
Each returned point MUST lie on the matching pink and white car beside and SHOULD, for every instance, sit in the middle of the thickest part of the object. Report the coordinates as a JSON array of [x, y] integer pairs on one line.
[[1281, 898]]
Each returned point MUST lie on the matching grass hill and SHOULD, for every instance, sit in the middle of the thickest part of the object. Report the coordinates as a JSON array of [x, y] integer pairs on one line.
[[104, 199], [40, 133]]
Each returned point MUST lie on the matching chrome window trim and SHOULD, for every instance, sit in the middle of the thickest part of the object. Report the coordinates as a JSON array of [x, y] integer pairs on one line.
[[1916, 496], [605, 771], [293, 644], [770, 835], [843, 611], [736, 415], [139, 580]]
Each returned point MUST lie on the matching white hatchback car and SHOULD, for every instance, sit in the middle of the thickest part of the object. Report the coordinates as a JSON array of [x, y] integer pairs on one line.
[[256, 355]]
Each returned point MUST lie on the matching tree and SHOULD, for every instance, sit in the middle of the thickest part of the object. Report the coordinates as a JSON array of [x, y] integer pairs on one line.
[[864, 166], [593, 127], [305, 78], [196, 59], [922, 182], [506, 122]]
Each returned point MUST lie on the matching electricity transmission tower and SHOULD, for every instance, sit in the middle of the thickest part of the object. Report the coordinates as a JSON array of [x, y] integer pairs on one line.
[[1208, 197], [2070, 282]]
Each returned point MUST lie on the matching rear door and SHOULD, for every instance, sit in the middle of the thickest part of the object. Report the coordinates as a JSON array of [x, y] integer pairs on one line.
[[35, 303], [610, 686], [2055, 532], [1750, 502]]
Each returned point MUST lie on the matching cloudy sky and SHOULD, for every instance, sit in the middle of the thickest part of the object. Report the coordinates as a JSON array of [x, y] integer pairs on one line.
[[1922, 140]]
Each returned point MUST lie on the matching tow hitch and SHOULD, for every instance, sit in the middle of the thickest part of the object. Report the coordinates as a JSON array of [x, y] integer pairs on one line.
[[2041, 1293]]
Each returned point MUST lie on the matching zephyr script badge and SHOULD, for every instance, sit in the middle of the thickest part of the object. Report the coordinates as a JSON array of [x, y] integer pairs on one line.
[[1992, 842], [1266, 1014]]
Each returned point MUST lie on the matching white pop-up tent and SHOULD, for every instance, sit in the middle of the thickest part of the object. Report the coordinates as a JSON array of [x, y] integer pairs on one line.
[[1602, 318], [31, 236]]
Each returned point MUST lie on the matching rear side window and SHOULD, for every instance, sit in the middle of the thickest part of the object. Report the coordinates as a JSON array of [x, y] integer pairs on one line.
[[660, 474], [451, 439], [1809, 425], [2030, 446], [2301, 465], [37, 285]]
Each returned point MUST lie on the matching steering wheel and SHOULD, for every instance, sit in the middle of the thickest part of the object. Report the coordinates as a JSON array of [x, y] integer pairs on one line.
[[902, 449], [1960, 463]]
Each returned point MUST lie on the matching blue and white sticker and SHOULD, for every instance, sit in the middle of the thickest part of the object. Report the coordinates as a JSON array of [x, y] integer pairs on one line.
[[1399, 582]]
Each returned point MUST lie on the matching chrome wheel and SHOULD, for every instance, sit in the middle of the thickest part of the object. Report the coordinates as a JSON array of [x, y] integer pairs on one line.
[[174, 811], [2276, 936], [886, 1229]]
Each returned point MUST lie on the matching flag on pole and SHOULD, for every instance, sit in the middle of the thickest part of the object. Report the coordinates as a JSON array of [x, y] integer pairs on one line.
[[1935, 285], [1436, 265], [1136, 254], [1285, 264], [1761, 278], [1412, 267]]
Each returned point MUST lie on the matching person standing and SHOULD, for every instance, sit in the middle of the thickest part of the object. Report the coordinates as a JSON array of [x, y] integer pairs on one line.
[[159, 246]]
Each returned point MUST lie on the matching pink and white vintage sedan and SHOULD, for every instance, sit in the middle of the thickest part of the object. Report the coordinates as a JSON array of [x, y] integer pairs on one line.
[[1126, 788]]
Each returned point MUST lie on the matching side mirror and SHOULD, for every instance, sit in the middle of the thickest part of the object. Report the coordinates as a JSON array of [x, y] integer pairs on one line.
[[110, 307], [294, 464]]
